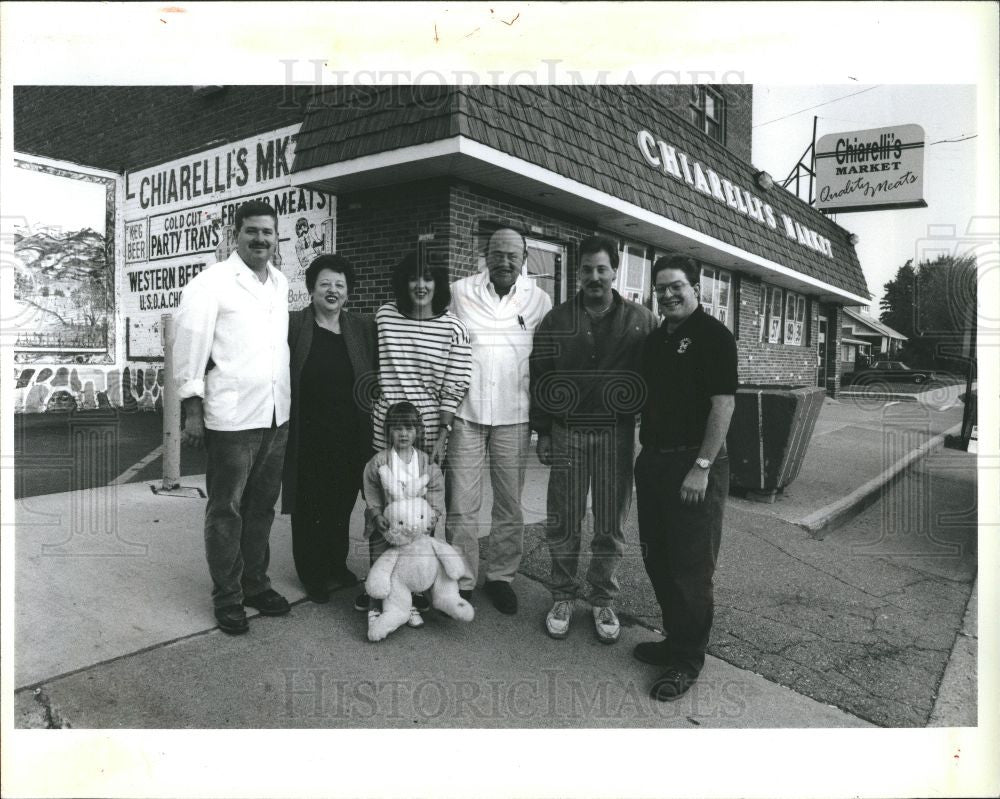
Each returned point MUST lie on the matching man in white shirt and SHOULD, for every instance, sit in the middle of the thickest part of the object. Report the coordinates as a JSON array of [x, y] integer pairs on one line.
[[231, 369], [501, 307]]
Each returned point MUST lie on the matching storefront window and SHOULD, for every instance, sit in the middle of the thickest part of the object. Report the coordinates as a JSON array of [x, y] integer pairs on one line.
[[781, 316], [633, 273], [775, 296], [795, 317], [716, 294], [707, 112]]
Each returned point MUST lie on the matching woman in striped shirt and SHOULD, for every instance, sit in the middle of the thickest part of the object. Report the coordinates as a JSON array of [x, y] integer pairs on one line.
[[424, 353], [425, 358]]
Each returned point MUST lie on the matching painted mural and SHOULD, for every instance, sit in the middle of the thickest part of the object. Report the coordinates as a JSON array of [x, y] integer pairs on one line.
[[64, 265], [82, 388]]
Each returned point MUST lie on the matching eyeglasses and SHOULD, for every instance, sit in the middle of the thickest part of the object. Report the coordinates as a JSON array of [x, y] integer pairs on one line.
[[674, 288]]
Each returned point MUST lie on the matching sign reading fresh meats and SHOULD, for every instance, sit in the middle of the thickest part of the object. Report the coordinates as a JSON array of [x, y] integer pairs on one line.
[[179, 220]]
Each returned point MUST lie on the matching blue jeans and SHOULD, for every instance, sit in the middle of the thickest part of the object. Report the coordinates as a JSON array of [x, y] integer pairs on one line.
[[243, 478], [468, 448], [597, 459]]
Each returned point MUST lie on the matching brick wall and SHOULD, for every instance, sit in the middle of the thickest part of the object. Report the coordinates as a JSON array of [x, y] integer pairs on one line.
[[376, 228], [473, 205], [739, 119], [762, 362], [738, 100]]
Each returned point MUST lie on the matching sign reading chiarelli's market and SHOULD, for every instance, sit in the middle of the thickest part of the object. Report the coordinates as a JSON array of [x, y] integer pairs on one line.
[[871, 170]]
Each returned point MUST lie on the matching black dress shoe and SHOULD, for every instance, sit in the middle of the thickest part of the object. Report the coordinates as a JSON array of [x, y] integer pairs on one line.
[[318, 594], [502, 596], [269, 603], [232, 619], [652, 652], [671, 685]]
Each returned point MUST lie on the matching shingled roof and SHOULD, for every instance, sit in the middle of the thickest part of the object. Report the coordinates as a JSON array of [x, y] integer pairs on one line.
[[586, 134]]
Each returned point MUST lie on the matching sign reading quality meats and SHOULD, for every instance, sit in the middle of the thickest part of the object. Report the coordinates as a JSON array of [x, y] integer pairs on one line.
[[179, 220]]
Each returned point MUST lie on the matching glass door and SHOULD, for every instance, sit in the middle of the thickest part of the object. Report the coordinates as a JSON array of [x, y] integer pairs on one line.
[[545, 265]]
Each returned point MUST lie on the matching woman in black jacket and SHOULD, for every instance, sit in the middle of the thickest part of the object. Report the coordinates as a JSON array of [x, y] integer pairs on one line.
[[334, 376]]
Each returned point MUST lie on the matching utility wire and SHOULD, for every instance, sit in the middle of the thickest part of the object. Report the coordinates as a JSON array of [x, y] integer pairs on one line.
[[950, 141], [810, 108]]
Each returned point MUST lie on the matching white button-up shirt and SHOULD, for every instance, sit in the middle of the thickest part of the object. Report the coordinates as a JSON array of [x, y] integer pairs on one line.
[[228, 315], [501, 329]]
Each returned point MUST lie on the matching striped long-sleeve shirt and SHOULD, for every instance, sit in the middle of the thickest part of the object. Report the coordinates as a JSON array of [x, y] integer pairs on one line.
[[424, 361]]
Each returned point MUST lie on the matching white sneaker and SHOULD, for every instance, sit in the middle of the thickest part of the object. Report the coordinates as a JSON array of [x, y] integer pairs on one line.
[[415, 620], [606, 624], [558, 619]]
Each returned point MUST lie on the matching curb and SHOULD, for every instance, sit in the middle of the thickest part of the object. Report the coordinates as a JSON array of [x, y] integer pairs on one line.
[[859, 499], [877, 396]]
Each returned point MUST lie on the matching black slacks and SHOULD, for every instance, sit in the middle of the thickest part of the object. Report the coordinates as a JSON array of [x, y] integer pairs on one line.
[[680, 547], [328, 486]]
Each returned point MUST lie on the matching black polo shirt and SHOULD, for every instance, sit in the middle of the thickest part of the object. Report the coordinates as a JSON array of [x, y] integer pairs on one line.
[[683, 370]]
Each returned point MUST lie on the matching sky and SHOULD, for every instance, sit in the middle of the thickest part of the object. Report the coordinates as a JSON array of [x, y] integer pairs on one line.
[[51, 200], [782, 130]]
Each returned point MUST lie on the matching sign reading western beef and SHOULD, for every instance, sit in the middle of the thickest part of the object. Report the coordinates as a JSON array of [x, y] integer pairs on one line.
[[179, 221], [707, 180], [871, 170]]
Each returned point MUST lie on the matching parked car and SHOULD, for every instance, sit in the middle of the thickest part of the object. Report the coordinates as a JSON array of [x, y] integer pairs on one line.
[[891, 371]]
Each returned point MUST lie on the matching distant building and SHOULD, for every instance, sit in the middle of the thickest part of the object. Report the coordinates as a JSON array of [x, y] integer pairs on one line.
[[865, 336]]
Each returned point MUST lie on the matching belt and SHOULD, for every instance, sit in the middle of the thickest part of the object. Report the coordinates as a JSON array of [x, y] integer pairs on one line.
[[679, 448]]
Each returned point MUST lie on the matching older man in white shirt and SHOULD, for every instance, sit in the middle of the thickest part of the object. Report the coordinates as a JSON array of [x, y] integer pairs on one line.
[[501, 308], [231, 369]]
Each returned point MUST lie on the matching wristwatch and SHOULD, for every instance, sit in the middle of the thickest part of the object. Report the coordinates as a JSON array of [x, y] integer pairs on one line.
[[702, 463]]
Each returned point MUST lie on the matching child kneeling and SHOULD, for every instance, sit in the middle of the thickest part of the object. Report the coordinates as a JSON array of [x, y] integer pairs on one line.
[[404, 430]]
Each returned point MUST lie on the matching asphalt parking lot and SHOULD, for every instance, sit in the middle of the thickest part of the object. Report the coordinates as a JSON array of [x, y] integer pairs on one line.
[[56, 452]]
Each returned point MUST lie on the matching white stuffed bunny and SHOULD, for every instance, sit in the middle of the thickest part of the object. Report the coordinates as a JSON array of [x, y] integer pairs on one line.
[[416, 561]]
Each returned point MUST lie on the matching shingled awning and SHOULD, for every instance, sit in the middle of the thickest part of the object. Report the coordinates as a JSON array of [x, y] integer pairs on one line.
[[617, 155]]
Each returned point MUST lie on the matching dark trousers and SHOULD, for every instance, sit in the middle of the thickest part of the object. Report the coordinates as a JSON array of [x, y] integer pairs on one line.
[[680, 547], [243, 478], [321, 522]]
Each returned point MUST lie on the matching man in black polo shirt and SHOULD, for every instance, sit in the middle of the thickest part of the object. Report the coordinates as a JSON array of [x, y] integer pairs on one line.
[[682, 473]]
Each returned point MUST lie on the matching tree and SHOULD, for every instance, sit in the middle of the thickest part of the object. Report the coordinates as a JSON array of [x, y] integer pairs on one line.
[[934, 306], [897, 302]]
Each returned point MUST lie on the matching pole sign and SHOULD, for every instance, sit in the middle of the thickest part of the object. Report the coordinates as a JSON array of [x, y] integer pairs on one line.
[[870, 170]]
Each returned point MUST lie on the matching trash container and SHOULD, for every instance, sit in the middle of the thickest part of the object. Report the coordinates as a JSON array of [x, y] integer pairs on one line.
[[770, 432]]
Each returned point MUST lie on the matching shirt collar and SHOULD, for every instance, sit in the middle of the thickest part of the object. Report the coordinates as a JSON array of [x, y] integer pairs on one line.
[[520, 285], [269, 268], [699, 311]]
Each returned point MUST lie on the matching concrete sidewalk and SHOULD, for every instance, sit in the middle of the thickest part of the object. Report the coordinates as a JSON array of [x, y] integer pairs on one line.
[[114, 624], [124, 637], [856, 445]]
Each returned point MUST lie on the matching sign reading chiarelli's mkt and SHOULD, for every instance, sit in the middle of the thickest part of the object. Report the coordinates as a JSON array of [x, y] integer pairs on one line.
[[871, 170]]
